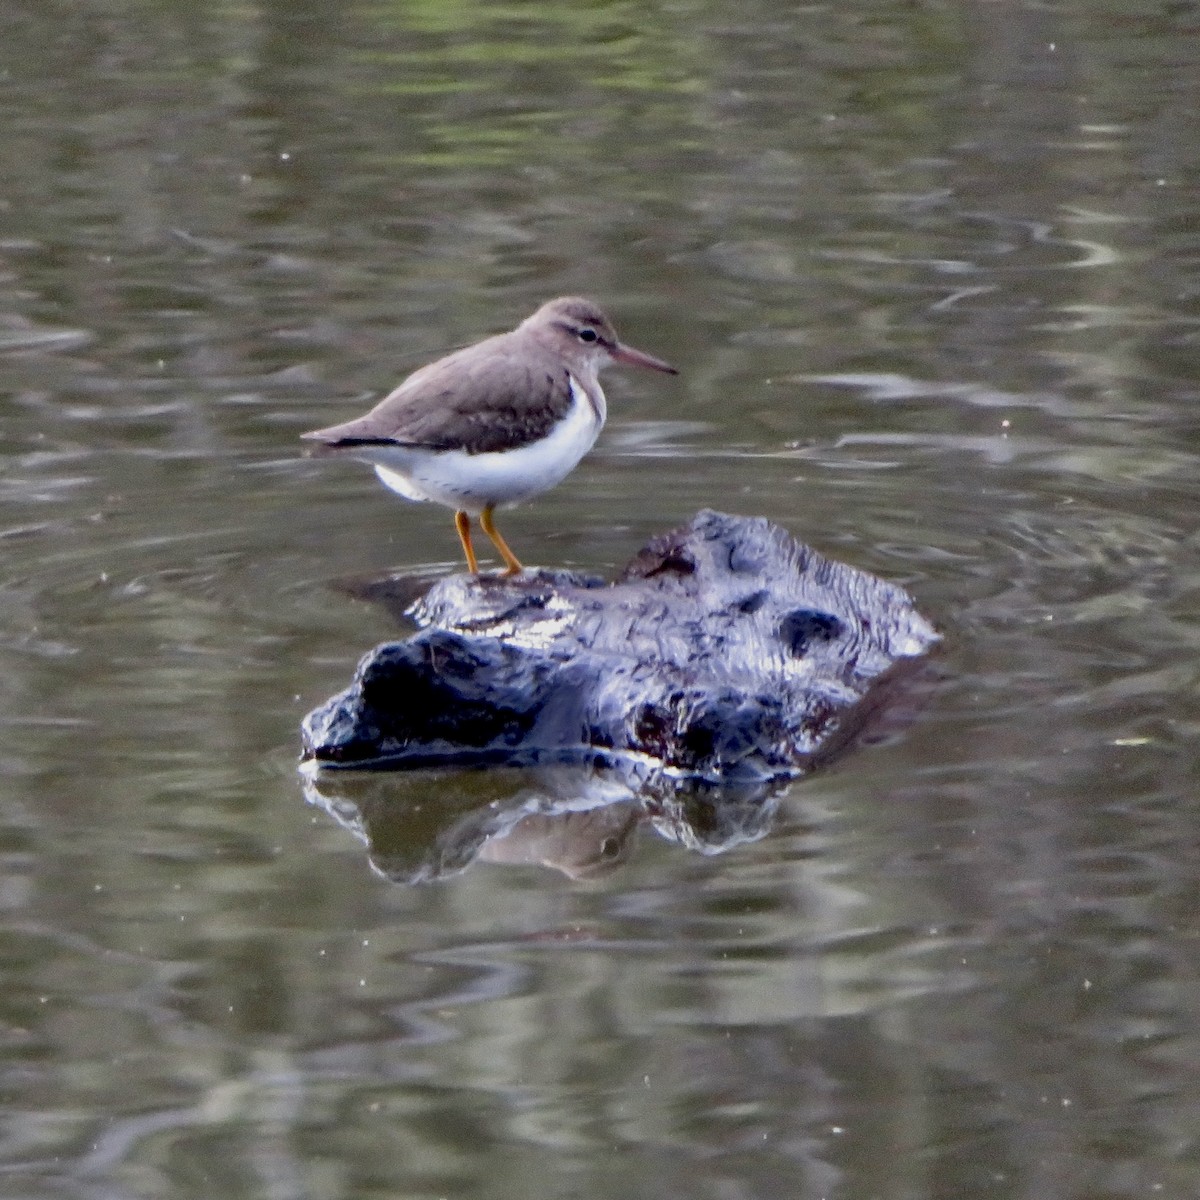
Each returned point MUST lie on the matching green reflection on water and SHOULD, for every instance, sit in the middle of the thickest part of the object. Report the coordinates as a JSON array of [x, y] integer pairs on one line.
[[509, 59]]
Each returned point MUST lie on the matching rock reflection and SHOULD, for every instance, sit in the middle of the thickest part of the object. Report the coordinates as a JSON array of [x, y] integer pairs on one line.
[[580, 820], [579, 844]]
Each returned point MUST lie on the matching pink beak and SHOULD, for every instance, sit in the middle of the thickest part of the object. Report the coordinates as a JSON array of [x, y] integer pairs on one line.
[[638, 358]]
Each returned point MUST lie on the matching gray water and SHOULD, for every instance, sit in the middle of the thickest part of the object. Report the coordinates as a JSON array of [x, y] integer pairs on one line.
[[931, 275]]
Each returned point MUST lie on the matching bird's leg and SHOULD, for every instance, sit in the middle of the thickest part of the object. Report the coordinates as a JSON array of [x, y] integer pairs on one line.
[[489, 527], [462, 523]]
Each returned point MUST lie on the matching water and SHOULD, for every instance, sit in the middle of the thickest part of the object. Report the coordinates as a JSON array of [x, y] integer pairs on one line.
[[930, 273]]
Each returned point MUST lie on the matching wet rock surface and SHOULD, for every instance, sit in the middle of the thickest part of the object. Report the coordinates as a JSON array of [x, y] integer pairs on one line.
[[725, 651]]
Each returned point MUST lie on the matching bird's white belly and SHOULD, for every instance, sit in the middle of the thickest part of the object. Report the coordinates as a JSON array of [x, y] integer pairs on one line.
[[473, 482]]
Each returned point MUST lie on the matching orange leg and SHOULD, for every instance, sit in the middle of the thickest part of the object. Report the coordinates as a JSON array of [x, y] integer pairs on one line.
[[489, 527], [462, 523]]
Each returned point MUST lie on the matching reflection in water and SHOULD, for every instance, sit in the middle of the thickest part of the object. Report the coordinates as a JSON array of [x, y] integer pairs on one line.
[[427, 825], [579, 844]]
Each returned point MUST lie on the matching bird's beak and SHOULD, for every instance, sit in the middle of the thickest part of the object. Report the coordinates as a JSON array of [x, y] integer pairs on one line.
[[638, 358]]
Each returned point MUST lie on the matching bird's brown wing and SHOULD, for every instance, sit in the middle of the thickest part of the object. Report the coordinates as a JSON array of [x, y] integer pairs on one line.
[[485, 398]]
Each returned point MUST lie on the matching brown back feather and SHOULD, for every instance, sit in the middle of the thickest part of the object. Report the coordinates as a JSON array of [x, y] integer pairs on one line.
[[483, 398]]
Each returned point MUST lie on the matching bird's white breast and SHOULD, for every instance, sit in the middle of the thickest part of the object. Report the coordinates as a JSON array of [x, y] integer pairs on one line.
[[472, 482]]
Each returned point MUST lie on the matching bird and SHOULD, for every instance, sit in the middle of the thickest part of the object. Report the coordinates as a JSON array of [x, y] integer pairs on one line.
[[494, 423]]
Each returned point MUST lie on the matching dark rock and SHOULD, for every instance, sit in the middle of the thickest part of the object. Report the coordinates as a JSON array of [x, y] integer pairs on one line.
[[725, 651]]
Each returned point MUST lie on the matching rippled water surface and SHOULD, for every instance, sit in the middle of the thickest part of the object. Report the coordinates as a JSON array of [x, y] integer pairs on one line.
[[930, 273]]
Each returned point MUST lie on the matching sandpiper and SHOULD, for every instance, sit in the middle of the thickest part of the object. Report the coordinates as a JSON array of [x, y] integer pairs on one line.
[[497, 422]]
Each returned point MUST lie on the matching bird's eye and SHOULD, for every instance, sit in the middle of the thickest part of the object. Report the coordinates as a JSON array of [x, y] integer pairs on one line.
[[588, 335]]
